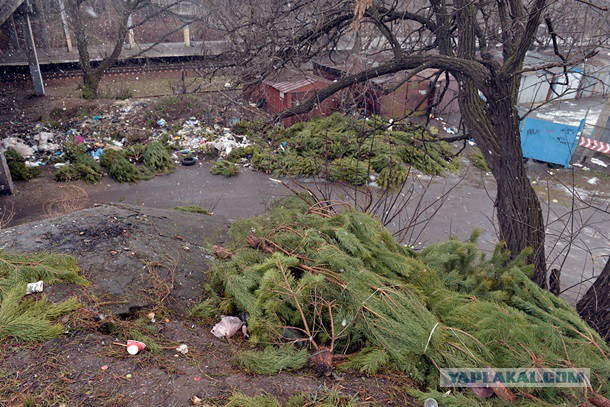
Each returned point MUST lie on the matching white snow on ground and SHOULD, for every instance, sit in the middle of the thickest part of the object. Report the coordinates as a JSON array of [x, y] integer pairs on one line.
[[580, 193], [599, 162], [571, 112], [573, 117]]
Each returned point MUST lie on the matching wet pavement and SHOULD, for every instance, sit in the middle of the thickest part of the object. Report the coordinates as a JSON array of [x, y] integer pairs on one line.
[[455, 205]]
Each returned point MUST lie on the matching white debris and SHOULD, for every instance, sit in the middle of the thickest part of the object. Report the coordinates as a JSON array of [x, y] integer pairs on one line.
[[599, 162], [91, 12], [43, 137], [592, 181], [36, 287], [227, 142], [184, 349], [18, 145], [227, 327]]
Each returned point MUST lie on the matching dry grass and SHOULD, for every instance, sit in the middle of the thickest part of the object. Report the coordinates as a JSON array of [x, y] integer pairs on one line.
[[6, 214], [71, 198]]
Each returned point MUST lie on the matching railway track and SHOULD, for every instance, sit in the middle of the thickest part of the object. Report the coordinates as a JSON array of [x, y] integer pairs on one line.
[[123, 70], [72, 71]]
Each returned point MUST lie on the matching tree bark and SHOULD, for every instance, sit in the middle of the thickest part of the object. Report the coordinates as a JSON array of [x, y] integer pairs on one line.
[[594, 305], [91, 84], [494, 125], [93, 76]]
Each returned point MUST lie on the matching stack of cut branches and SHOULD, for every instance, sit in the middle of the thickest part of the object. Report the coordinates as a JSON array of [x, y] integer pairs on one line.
[[336, 282]]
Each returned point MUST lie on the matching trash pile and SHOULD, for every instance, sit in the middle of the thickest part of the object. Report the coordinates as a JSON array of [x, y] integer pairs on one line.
[[345, 149], [20, 171], [118, 130], [339, 148], [20, 275], [194, 137], [320, 277]]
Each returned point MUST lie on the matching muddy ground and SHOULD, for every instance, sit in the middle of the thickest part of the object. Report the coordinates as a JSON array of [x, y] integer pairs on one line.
[[141, 260]]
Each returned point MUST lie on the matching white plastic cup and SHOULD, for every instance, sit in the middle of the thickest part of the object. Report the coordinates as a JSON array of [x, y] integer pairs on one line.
[[134, 347]]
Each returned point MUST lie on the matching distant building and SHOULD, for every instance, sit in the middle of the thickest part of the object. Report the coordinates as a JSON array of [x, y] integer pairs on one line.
[[392, 96], [275, 95]]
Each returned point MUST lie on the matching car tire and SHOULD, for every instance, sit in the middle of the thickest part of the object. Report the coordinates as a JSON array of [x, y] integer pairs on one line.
[[188, 161]]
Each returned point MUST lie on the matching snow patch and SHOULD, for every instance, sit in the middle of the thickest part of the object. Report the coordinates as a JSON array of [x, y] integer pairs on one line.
[[599, 162]]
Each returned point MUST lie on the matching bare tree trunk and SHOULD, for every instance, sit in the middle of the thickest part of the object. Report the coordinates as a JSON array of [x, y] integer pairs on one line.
[[93, 76], [520, 216], [594, 305], [91, 84], [494, 125]]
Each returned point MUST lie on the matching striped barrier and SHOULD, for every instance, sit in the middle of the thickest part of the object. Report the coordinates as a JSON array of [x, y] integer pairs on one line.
[[594, 145]]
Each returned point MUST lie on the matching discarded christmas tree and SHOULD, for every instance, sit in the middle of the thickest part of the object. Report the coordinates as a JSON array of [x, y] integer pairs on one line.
[[347, 150], [32, 319], [336, 282]]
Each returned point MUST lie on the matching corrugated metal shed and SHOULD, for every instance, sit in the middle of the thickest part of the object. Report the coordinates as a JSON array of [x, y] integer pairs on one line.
[[534, 87], [291, 86], [289, 89]]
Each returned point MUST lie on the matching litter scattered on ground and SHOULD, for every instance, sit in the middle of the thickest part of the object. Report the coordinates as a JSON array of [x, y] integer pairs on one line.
[[227, 327], [593, 181], [34, 319], [135, 347], [33, 288], [118, 129], [184, 349]]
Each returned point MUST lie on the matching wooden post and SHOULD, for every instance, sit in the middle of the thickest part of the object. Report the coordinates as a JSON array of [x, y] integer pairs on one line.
[[13, 33], [130, 35], [64, 24], [6, 182], [187, 35], [30, 49]]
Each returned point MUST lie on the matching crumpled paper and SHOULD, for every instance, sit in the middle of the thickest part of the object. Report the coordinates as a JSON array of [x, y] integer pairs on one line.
[[227, 327]]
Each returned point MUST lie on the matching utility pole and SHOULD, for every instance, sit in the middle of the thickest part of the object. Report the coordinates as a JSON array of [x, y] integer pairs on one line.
[[64, 24], [187, 35], [6, 182], [130, 35], [30, 48]]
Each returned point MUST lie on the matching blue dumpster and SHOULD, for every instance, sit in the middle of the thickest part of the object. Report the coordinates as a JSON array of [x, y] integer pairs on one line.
[[548, 141]]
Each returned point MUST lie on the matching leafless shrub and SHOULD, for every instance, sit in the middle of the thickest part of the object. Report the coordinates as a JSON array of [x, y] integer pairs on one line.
[[71, 198], [6, 215]]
